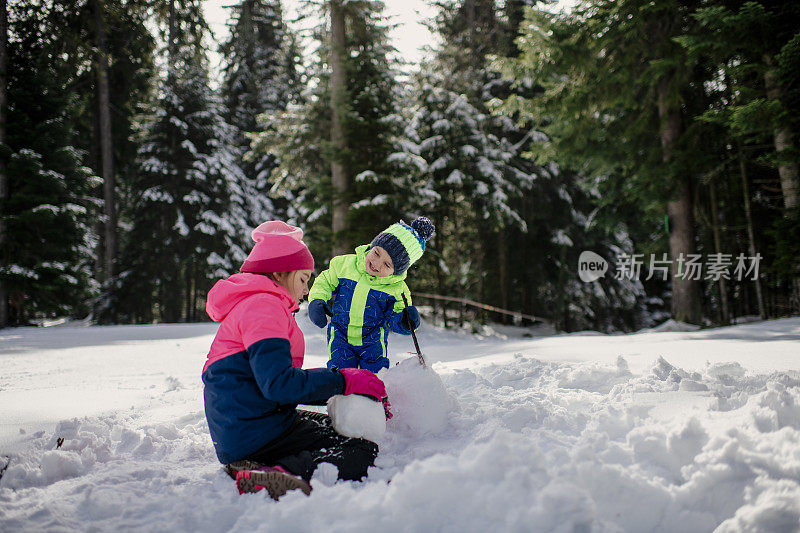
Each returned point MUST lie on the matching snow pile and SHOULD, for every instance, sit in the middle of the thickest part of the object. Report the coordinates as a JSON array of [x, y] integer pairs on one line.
[[357, 416], [420, 402], [102, 445], [420, 405], [657, 432], [674, 325]]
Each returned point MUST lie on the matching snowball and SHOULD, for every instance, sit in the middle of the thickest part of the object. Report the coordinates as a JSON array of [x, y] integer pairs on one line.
[[420, 402], [326, 474], [357, 416]]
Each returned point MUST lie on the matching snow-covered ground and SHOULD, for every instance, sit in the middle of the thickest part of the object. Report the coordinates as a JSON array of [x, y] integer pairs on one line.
[[654, 431]]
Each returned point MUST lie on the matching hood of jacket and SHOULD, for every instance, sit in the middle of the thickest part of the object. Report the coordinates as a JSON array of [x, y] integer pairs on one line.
[[228, 293], [361, 266]]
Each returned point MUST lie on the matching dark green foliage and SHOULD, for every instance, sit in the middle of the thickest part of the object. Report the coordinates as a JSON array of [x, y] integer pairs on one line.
[[509, 230], [300, 137], [260, 76], [527, 137], [605, 70], [180, 239], [46, 257]]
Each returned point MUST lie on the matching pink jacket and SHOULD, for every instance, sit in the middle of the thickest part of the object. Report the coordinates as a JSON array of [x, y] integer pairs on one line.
[[251, 308], [252, 380]]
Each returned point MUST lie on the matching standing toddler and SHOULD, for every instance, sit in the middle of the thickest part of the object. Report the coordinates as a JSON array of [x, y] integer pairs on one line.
[[363, 293]]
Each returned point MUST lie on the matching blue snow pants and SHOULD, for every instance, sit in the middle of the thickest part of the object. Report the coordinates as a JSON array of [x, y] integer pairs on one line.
[[370, 356]]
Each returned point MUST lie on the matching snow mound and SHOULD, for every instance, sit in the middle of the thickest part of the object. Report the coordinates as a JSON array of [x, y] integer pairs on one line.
[[777, 408], [773, 506], [595, 377], [357, 416], [420, 401], [674, 325], [645, 432], [723, 371]]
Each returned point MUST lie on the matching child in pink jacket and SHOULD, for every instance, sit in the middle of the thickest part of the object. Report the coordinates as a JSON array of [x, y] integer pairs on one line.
[[253, 378]]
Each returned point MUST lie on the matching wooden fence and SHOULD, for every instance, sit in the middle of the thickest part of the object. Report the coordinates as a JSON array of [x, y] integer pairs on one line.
[[466, 302]]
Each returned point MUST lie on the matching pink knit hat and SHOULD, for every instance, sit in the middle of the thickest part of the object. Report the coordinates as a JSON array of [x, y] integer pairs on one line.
[[279, 248]]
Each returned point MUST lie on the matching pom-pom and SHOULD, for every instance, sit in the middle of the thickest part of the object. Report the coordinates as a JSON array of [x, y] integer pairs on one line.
[[424, 227]]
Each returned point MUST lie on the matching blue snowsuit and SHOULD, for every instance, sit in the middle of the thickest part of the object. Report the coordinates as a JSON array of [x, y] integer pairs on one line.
[[364, 309]]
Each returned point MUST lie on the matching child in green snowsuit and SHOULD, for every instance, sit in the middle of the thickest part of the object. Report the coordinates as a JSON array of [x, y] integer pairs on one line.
[[363, 293]]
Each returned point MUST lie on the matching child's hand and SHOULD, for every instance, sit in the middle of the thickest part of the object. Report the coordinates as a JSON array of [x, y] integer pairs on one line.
[[410, 318], [361, 381], [318, 311]]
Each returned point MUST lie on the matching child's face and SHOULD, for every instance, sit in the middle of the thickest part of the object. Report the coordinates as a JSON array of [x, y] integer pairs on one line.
[[296, 282], [378, 262]]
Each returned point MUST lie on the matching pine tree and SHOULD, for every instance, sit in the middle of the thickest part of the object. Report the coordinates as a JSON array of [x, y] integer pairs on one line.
[[106, 126], [462, 174], [260, 77], [3, 167], [614, 79], [181, 195], [46, 263], [472, 32], [508, 229], [300, 137], [756, 48]]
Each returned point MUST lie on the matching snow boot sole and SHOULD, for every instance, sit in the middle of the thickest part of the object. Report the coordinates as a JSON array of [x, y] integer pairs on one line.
[[276, 483], [232, 468], [251, 476]]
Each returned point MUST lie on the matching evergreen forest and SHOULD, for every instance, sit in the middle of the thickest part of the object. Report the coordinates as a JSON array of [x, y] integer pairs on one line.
[[657, 136]]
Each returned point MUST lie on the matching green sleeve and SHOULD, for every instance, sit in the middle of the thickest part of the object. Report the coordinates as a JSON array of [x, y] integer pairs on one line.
[[325, 283], [399, 305]]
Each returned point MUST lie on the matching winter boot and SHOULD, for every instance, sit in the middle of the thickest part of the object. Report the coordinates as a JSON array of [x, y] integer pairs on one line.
[[232, 468], [275, 479]]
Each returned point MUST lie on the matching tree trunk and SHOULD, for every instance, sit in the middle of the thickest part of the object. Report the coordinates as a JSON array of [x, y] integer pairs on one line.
[[106, 147], [171, 42], [502, 259], [442, 290], [784, 144], [723, 285], [751, 239], [338, 89], [4, 189], [562, 322], [469, 10], [686, 304], [787, 166]]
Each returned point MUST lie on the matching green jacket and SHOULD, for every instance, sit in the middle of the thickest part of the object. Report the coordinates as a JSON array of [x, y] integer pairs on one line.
[[363, 306]]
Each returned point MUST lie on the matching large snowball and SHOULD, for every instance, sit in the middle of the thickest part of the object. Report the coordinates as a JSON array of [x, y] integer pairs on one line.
[[420, 402], [357, 416]]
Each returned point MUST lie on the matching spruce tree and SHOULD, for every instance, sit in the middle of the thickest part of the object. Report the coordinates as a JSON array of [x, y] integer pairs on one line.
[[509, 230], [3, 166], [260, 77], [46, 253], [754, 48], [613, 82], [487, 200], [106, 129], [180, 238], [301, 138], [462, 175]]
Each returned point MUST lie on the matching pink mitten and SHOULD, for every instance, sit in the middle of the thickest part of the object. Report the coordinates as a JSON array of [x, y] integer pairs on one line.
[[360, 381]]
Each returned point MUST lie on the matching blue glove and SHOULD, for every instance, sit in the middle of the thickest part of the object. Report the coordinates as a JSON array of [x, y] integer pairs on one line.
[[317, 310], [410, 318]]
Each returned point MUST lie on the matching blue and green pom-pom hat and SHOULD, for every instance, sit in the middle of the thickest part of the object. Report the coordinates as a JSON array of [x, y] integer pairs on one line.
[[405, 244]]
